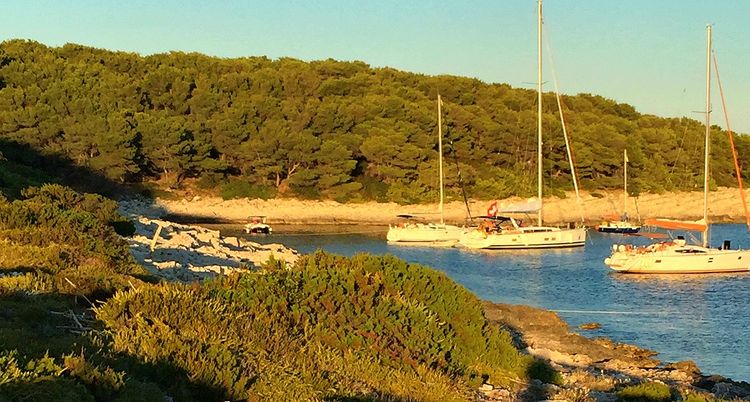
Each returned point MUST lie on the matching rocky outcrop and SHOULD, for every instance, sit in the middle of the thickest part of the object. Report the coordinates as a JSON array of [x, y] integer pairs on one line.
[[595, 369], [187, 253]]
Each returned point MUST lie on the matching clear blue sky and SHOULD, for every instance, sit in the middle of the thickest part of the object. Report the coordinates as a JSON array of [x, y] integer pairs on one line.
[[649, 53]]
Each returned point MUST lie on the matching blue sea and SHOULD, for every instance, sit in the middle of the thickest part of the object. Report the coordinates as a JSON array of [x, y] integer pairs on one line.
[[704, 318]]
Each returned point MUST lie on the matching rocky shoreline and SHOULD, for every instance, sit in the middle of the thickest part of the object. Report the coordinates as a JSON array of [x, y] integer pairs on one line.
[[189, 253], [595, 369], [591, 369]]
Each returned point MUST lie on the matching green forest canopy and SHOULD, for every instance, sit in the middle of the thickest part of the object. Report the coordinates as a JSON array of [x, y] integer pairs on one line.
[[327, 129]]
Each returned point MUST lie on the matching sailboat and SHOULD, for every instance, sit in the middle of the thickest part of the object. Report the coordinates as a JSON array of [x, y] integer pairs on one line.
[[500, 232], [421, 233], [623, 224], [677, 256]]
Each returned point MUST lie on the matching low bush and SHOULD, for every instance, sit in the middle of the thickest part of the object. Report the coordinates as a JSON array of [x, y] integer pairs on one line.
[[646, 392], [83, 226], [331, 326], [245, 189]]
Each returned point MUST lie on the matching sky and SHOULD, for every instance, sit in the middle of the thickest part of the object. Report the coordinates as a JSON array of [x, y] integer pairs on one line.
[[648, 53]]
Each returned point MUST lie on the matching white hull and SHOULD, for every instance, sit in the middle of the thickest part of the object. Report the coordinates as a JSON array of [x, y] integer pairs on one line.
[[258, 228], [430, 234], [678, 259], [525, 238]]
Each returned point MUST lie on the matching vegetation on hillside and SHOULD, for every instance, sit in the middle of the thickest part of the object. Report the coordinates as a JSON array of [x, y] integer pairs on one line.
[[331, 328], [343, 130], [82, 321]]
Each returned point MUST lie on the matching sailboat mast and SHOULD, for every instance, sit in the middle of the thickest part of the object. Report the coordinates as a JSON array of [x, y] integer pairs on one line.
[[708, 135], [539, 110], [625, 186], [440, 152]]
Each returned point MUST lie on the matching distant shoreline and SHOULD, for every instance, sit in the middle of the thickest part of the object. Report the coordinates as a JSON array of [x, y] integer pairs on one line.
[[724, 206]]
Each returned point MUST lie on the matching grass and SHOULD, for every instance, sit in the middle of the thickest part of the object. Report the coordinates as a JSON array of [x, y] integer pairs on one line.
[[646, 392]]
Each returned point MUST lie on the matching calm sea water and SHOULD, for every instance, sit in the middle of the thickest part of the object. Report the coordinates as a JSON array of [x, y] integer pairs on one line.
[[704, 318]]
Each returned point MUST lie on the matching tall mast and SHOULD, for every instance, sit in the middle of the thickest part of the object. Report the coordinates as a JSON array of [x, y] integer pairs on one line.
[[539, 110], [625, 186], [708, 135], [440, 151]]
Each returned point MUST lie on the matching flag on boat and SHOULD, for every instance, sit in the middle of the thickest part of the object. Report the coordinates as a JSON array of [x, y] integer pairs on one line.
[[492, 210]]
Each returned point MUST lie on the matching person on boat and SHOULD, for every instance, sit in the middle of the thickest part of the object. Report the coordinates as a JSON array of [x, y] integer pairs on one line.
[[489, 227], [624, 217]]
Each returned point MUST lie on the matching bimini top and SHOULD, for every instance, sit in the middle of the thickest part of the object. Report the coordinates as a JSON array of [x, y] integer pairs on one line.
[[696, 226], [495, 218], [524, 207]]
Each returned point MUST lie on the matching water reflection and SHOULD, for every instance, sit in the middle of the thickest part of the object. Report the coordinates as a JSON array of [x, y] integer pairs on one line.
[[677, 280]]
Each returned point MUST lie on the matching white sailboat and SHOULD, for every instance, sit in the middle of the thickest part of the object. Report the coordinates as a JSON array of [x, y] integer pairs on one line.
[[507, 233], [412, 232], [622, 225], [679, 257]]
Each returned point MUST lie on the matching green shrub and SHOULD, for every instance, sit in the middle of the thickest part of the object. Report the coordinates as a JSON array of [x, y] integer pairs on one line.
[[37, 380], [695, 397], [306, 192], [209, 181], [646, 392], [373, 189], [245, 189], [153, 190], [124, 227], [405, 194], [344, 192], [138, 391], [57, 214], [331, 326]]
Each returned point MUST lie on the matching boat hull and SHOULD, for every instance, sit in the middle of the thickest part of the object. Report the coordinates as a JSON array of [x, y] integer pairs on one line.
[[424, 235], [526, 238], [631, 230], [622, 227], [258, 228], [698, 260]]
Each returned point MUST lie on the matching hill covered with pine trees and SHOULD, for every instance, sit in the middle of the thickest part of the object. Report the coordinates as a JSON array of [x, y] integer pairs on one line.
[[325, 129]]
